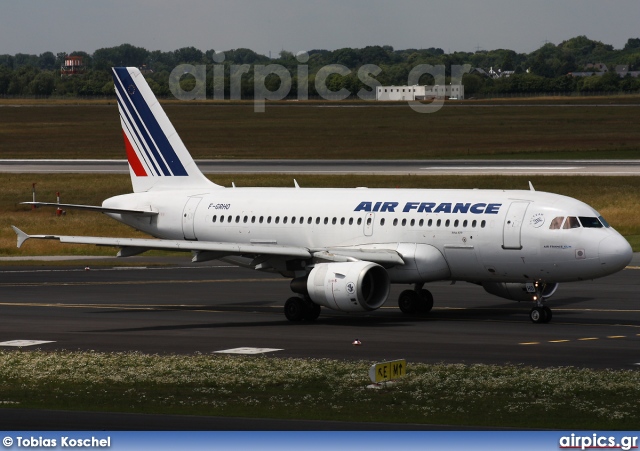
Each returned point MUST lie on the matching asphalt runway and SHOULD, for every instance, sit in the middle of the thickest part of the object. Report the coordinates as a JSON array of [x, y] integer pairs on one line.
[[370, 167], [185, 308]]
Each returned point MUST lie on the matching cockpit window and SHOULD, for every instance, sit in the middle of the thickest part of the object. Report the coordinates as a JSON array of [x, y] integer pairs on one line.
[[590, 223], [604, 223], [571, 223], [556, 223]]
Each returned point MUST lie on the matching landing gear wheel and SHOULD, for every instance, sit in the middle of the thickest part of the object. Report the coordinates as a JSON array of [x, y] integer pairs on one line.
[[538, 315], [294, 309], [312, 311], [409, 302], [426, 303], [548, 314]]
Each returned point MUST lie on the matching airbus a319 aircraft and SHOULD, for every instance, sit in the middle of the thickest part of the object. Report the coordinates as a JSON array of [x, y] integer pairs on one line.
[[343, 248]]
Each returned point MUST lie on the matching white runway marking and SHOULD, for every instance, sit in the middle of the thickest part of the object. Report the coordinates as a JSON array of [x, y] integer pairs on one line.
[[501, 168], [247, 351], [22, 343]]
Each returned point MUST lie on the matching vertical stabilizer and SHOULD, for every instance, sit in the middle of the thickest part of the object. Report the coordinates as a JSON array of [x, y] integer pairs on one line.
[[158, 159]]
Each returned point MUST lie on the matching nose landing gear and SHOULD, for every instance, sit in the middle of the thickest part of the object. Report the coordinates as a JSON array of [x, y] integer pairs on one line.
[[540, 314]]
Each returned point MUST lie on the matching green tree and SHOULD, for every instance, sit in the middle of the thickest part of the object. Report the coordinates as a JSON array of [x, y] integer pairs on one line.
[[42, 84]]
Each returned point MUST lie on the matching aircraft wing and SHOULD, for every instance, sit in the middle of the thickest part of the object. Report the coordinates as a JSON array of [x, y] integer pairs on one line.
[[384, 257], [93, 208], [133, 246]]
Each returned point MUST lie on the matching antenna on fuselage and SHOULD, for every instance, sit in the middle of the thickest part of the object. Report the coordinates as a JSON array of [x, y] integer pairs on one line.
[[531, 186], [295, 183]]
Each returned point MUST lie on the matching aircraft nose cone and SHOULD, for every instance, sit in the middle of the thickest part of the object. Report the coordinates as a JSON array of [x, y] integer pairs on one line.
[[615, 253]]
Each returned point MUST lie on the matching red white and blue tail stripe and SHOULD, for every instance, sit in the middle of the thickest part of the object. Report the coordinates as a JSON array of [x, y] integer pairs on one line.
[[157, 156]]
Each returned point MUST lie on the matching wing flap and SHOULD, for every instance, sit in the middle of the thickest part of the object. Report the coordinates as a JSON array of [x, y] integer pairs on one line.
[[380, 256]]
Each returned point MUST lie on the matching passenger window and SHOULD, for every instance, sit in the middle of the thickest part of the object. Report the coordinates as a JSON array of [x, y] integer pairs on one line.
[[245, 219], [334, 221], [284, 220], [590, 223], [310, 220], [483, 224], [421, 223], [237, 219], [359, 221], [395, 222], [342, 221], [382, 222], [261, 219], [413, 222], [326, 221], [446, 224], [229, 218], [317, 220], [253, 219], [404, 222], [368, 221], [456, 222], [474, 223], [571, 223], [556, 223], [293, 220], [350, 221], [439, 222], [430, 222], [269, 220], [464, 224], [277, 219], [214, 218]]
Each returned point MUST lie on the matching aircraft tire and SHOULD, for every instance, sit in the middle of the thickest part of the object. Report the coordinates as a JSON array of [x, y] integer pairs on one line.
[[426, 303], [538, 315], [294, 309], [548, 314], [312, 310], [409, 302]]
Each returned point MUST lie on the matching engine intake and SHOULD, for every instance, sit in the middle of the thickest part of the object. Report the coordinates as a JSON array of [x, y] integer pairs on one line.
[[349, 287]]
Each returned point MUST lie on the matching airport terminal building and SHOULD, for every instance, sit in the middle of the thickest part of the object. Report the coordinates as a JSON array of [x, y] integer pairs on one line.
[[417, 92]]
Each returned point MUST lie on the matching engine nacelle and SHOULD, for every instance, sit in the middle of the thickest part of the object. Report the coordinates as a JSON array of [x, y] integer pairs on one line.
[[349, 287], [517, 291]]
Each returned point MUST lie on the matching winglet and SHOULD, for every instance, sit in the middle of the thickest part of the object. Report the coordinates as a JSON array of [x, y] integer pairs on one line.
[[22, 237]]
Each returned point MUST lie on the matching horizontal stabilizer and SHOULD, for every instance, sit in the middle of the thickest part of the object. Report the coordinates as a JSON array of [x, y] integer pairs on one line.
[[93, 208], [174, 245]]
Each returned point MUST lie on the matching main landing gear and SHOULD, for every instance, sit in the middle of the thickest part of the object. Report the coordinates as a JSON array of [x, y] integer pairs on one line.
[[540, 314], [416, 301], [297, 309]]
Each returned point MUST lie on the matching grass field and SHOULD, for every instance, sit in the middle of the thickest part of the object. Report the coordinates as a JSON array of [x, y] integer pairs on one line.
[[616, 198], [268, 387], [545, 129]]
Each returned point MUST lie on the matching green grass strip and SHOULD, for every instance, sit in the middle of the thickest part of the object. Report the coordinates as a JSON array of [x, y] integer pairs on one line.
[[322, 389]]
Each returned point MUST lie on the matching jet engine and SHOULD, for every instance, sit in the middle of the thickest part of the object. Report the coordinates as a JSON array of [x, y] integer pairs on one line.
[[518, 291], [349, 287]]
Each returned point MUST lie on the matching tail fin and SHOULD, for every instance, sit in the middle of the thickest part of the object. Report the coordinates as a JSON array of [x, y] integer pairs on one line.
[[158, 159]]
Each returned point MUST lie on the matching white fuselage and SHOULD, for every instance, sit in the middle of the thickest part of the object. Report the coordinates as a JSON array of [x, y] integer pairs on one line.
[[481, 235]]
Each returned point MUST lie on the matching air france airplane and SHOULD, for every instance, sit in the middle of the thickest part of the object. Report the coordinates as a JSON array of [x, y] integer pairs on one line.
[[343, 248]]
